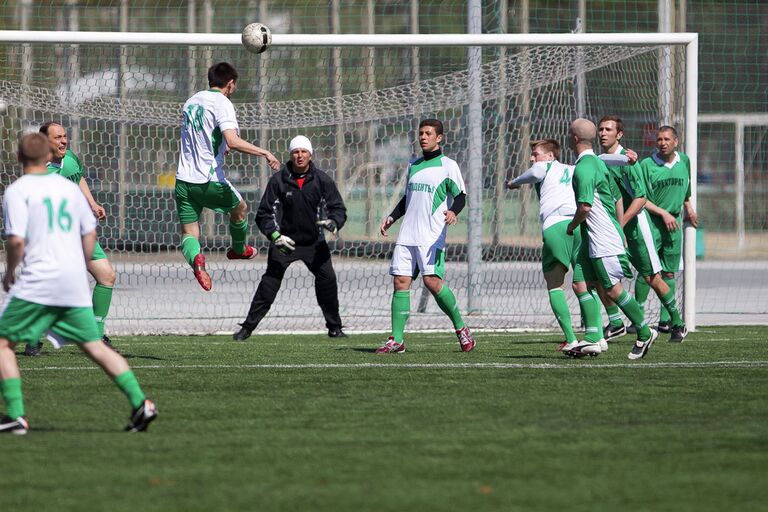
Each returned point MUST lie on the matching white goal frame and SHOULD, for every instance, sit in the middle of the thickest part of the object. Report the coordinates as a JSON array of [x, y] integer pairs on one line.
[[688, 41]]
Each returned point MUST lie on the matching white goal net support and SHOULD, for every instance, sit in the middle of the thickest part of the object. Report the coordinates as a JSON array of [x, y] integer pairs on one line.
[[359, 98]]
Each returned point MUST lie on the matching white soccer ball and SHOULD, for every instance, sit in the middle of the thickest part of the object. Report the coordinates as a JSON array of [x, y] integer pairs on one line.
[[257, 37]]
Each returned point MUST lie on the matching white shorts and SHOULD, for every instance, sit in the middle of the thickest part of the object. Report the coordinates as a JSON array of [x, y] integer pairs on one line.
[[409, 260]]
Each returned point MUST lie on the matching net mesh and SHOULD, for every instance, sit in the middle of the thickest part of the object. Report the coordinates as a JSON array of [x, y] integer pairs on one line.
[[360, 108]]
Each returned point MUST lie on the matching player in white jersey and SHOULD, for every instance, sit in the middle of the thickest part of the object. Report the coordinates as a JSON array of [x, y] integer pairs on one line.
[[557, 206], [49, 225], [208, 132], [435, 195], [603, 260]]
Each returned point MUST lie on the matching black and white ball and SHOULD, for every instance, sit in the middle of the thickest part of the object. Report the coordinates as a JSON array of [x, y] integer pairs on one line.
[[256, 37]]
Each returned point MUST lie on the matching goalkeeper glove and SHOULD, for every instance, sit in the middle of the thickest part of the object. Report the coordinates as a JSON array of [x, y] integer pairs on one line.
[[328, 224], [284, 244]]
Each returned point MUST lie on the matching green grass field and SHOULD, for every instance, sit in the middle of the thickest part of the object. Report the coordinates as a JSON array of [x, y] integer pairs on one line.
[[309, 423]]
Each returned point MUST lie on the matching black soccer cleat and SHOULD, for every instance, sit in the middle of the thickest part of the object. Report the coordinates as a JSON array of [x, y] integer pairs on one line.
[[611, 332], [17, 427], [664, 327], [243, 334], [336, 332], [108, 342], [34, 350], [141, 417], [641, 348], [678, 334]]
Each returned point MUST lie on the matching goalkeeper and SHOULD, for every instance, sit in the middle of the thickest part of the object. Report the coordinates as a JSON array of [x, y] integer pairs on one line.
[[288, 216]]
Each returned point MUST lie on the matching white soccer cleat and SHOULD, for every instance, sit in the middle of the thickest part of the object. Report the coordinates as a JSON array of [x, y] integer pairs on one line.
[[603, 345], [584, 348], [566, 346]]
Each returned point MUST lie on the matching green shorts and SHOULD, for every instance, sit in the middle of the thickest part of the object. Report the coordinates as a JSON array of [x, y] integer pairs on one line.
[[191, 198], [559, 247], [98, 253], [642, 243], [670, 248], [26, 322], [607, 270]]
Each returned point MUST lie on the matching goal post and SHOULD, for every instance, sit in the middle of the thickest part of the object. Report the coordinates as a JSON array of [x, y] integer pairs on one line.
[[140, 135]]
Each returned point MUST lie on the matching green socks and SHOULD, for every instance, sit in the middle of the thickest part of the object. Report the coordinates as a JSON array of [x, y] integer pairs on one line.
[[239, 232], [593, 321], [562, 313], [635, 314], [447, 302], [190, 247], [669, 301], [11, 391], [614, 316], [642, 289], [130, 386], [102, 299], [401, 310], [664, 315]]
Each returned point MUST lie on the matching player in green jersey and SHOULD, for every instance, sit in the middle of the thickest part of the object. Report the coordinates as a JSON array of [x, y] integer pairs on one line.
[[603, 257], [65, 162], [668, 172], [641, 248]]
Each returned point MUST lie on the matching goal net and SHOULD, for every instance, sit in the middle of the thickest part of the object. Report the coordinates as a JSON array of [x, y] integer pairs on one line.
[[360, 106]]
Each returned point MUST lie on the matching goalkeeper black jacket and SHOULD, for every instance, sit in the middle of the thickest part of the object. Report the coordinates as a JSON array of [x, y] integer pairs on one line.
[[292, 206]]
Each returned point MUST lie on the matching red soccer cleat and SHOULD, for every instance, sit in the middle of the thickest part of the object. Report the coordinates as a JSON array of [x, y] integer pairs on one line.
[[249, 254], [201, 275], [466, 341], [391, 347]]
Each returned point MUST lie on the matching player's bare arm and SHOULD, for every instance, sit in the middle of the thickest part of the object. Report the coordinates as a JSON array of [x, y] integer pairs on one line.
[[582, 211], [234, 141], [669, 220], [633, 209], [96, 208], [14, 252], [690, 214]]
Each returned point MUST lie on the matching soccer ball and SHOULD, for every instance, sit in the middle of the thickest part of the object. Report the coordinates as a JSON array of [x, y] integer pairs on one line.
[[256, 37]]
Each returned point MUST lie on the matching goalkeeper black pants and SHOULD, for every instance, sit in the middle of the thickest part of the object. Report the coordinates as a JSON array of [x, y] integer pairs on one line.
[[317, 258]]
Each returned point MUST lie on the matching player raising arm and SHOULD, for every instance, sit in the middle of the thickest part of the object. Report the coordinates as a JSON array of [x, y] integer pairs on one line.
[[49, 226], [208, 130], [435, 195]]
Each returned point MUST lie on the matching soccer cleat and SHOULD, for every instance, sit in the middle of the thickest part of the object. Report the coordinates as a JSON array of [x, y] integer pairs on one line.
[[249, 254], [34, 350], [664, 327], [17, 427], [336, 332], [603, 345], [108, 342], [584, 348], [611, 331], [678, 334], [566, 346], [642, 347], [141, 417], [391, 347], [198, 267], [243, 334], [466, 341]]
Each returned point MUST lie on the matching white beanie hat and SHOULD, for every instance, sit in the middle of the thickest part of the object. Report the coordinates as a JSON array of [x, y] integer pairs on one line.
[[300, 142]]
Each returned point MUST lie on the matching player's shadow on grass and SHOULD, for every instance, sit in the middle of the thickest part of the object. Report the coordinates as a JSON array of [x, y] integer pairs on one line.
[[529, 356], [138, 356], [367, 350]]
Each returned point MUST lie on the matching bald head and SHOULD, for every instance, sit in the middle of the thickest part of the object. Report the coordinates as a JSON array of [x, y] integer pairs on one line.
[[584, 130], [34, 150]]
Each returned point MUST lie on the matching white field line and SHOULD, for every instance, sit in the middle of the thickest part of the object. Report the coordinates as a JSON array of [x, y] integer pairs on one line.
[[422, 366]]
